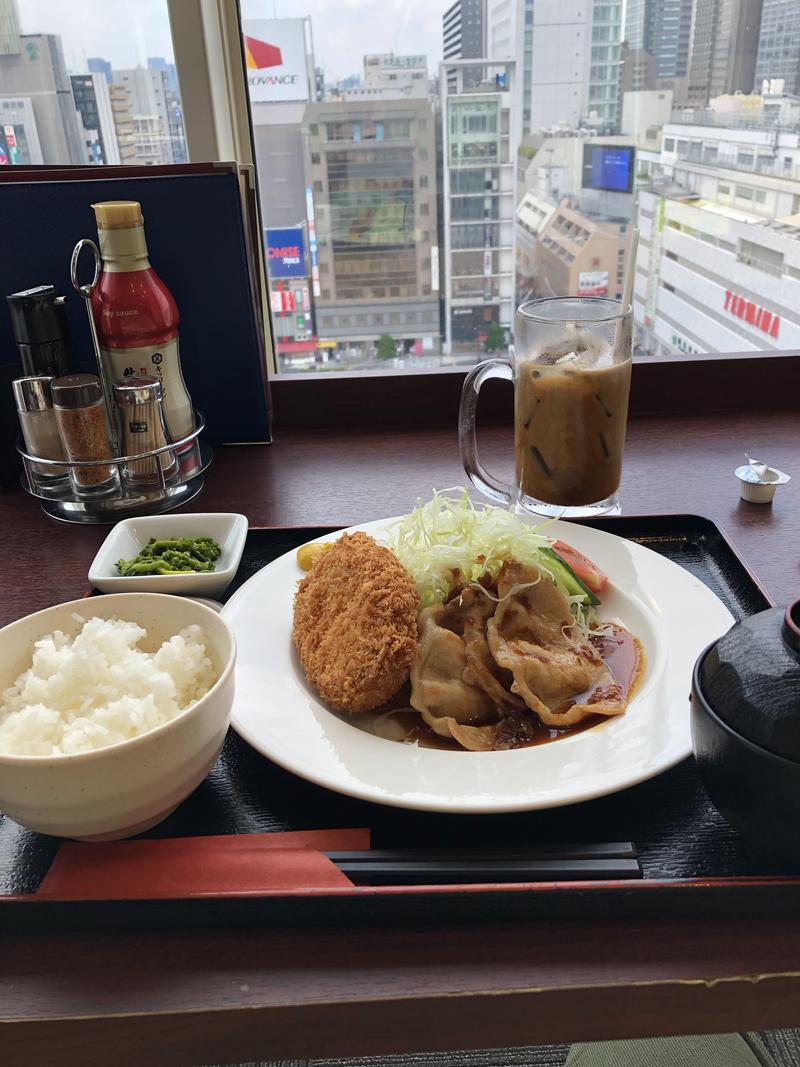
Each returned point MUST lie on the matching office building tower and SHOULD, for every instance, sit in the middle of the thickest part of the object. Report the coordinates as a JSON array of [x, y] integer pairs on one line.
[[478, 203], [170, 74], [603, 110], [567, 55], [661, 29], [724, 48], [121, 113], [96, 65], [90, 92], [10, 30], [372, 203], [32, 66], [464, 37], [779, 45], [157, 115]]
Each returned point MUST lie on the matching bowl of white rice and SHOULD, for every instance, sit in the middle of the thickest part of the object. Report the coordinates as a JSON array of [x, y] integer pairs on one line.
[[112, 710]]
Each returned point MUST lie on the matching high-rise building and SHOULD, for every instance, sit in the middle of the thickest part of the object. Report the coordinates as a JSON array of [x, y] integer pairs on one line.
[[372, 201], [10, 29], [32, 66], [779, 44], [96, 65], [478, 203], [724, 46], [661, 29], [567, 55], [121, 113], [464, 36], [604, 73], [90, 92], [161, 125], [170, 73]]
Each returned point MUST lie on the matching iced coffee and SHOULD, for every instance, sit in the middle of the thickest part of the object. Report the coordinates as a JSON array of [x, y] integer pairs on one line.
[[571, 369], [569, 425]]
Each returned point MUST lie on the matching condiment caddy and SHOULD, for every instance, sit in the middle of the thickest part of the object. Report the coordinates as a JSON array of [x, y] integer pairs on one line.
[[126, 441]]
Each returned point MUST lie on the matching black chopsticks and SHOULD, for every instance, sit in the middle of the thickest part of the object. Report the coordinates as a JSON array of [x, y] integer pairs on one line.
[[598, 861]]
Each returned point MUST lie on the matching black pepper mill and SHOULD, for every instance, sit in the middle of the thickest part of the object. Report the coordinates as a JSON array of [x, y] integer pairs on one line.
[[41, 331]]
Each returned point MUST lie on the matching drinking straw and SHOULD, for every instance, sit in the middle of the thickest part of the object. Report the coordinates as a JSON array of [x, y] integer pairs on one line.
[[631, 248]]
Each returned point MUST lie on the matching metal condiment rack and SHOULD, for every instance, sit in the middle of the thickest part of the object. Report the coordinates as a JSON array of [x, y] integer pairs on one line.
[[126, 501]]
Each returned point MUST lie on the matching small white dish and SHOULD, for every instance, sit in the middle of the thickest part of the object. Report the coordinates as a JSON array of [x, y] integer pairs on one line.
[[130, 536]]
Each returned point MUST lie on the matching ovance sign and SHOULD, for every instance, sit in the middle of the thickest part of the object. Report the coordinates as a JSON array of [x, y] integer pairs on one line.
[[275, 57]]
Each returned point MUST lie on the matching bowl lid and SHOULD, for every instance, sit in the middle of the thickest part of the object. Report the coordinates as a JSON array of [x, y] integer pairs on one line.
[[751, 679]]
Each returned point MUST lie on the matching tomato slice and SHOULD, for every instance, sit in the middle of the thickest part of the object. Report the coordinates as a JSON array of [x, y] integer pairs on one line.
[[588, 572]]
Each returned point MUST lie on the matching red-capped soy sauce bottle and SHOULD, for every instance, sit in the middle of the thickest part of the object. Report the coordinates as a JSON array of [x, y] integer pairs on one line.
[[137, 318]]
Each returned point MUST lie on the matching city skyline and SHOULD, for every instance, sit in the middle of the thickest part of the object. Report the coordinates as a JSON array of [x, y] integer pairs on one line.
[[344, 31]]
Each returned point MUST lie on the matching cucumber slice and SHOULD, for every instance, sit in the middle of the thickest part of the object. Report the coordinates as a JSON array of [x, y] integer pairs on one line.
[[574, 586]]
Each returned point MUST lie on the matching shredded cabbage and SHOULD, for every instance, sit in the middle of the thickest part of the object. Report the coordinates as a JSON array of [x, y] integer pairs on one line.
[[450, 540]]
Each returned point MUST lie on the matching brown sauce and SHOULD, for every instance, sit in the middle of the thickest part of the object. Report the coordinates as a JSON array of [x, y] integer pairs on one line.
[[622, 653]]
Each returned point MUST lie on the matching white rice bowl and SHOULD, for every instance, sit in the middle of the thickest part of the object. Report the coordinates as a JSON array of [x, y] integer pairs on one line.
[[98, 688], [116, 708]]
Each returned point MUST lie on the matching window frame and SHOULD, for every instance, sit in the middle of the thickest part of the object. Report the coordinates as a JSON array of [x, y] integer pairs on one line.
[[210, 64]]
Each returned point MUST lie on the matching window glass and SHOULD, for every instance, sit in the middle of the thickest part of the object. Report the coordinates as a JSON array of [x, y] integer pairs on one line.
[[427, 193], [90, 82]]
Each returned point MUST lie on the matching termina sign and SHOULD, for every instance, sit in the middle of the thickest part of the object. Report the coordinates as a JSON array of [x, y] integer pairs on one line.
[[766, 321], [286, 256]]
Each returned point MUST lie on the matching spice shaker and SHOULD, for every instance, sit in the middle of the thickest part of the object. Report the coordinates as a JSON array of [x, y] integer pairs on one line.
[[81, 416], [41, 331], [142, 428], [37, 420]]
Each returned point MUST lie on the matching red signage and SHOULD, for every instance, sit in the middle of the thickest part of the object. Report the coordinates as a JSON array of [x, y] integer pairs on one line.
[[766, 321], [259, 54]]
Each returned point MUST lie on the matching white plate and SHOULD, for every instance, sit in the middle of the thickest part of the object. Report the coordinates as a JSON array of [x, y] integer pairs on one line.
[[128, 538], [671, 612]]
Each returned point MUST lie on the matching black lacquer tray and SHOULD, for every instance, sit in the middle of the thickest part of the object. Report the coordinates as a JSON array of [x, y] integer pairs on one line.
[[694, 863]]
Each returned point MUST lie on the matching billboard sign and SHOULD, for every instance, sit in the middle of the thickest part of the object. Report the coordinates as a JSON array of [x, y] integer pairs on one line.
[[608, 167], [275, 57], [593, 283], [286, 254], [9, 149], [312, 241]]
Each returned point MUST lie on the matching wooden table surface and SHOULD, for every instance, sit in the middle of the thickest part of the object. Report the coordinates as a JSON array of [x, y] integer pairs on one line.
[[226, 996]]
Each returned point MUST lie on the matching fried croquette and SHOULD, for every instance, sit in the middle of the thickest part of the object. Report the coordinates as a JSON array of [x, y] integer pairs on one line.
[[355, 624]]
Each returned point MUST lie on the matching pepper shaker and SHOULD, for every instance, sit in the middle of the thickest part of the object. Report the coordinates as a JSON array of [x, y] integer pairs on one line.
[[34, 399], [81, 416], [142, 428]]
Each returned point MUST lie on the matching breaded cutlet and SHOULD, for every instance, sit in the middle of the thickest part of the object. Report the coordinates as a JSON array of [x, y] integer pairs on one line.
[[355, 624]]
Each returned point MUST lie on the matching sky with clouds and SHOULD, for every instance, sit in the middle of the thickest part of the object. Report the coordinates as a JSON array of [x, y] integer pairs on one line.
[[126, 32]]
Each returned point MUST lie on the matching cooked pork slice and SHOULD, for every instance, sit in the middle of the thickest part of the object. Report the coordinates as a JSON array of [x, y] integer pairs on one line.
[[470, 605], [482, 669], [531, 607], [559, 676], [437, 685], [473, 738]]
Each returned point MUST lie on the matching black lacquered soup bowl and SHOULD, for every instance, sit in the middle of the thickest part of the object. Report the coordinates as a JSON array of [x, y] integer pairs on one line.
[[756, 790]]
